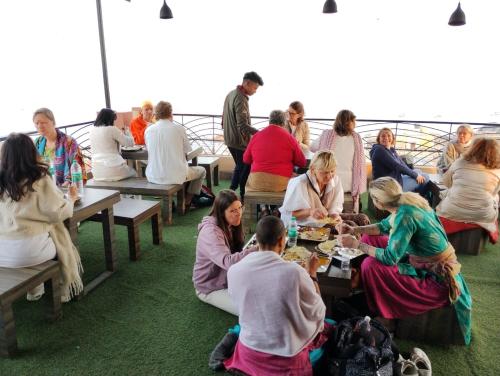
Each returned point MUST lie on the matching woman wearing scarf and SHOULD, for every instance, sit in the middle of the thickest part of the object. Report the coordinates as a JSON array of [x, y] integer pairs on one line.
[[418, 271], [317, 194], [349, 151], [141, 122], [453, 150], [33, 210]]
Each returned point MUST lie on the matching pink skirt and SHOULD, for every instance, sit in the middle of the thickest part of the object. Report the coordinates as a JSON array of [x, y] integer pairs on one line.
[[256, 363], [393, 295]]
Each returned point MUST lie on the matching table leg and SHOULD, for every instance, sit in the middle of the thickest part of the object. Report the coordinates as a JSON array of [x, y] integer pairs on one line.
[[181, 199], [134, 246], [208, 170], [8, 340], [166, 209], [156, 227], [108, 232], [216, 175]]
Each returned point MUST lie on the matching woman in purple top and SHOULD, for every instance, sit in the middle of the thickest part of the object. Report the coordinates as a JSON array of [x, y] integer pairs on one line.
[[219, 245]]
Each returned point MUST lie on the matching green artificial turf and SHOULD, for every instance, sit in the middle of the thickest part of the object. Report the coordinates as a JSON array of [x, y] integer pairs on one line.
[[146, 320]]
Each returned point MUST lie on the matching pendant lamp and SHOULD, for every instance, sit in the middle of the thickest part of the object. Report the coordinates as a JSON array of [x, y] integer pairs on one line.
[[457, 17], [165, 12], [330, 6]]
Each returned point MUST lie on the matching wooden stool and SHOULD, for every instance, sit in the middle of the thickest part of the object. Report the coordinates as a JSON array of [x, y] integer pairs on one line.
[[14, 284], [436, 326], [469, 242], [252, 199], [132, 213]]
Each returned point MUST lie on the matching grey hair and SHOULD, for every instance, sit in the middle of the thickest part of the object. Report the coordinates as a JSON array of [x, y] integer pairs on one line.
[[277, 117], [467, 127], [46, 112]]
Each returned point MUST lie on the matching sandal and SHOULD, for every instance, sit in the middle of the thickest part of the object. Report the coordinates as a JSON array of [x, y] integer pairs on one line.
[[422, 362]]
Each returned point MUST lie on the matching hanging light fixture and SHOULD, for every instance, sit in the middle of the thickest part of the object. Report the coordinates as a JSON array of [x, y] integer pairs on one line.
[[457, 17], [330, 6], [165, 12]]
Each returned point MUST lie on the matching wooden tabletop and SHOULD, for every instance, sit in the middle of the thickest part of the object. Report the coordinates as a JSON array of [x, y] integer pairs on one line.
[[143, 154], [93, 201]]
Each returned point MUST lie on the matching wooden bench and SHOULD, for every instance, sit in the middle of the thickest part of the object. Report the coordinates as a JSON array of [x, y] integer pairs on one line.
[[211, 165], [14, 284], [140, 186], [132, 213], [252, 199], [469, 242], [436, 326]]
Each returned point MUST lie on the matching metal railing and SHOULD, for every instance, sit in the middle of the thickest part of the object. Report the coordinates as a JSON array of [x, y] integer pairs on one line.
[[423, 140]]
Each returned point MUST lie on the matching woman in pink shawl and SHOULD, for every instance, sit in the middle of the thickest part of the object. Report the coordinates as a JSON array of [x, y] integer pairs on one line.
[[349, 152]]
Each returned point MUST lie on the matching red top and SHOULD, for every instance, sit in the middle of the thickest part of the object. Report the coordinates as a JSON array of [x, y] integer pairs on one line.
[[275, 151]]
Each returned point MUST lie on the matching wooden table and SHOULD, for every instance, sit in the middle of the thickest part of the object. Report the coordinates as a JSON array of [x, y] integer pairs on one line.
[[142, 155], [93, 202]]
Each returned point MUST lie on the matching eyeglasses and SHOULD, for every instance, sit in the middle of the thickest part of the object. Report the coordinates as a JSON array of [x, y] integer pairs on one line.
[[293, 113], [237, 210]]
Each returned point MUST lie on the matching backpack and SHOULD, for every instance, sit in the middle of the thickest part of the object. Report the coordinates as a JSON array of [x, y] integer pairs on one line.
[[360, 348], [205, 198]]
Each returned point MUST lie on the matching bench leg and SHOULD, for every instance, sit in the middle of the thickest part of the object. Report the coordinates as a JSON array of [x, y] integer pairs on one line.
[[8, 340], [108, 231], [208, 169], [134, 246], [166, 209], [216, 175], [156, 227], [181, 200], [53, 297]]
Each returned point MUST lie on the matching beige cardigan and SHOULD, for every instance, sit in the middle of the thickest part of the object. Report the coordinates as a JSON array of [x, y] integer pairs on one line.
[[42, 211], [472, 195], [301, 134]]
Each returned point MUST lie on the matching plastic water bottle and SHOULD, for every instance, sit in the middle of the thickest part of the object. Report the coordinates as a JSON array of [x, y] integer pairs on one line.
[[292, 232], [52, 171], [76, 177]]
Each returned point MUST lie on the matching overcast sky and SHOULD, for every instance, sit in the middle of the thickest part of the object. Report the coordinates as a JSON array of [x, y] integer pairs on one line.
[[383, 59]]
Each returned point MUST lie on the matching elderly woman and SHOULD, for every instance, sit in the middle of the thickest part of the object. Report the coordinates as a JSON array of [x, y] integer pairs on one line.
[[272, 152], [418, 271], [56, 147], [105, 141], [33, 210], [453, 150], [473, 183], [349, 150], [317, 194], [297, 126], [386, 162], [139, 124], [219, 245], [281, 310]]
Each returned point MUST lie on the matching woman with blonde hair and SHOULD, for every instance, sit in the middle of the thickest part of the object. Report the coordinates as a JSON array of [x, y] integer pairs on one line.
[[418, 271], [349, 150], [317, 194], [454, 149], [473, 182], [296, 125]]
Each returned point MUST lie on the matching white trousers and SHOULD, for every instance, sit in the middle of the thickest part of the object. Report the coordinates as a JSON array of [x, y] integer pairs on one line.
[[219, 299], [196, 175]]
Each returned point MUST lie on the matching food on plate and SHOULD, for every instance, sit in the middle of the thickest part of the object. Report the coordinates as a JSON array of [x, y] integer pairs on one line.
[[297, 254], [327, 246], [132, 148], [312, 233], [330, 221]]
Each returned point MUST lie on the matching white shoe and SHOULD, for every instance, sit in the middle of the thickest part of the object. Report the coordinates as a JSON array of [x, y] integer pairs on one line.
[[422, 362], [36, 293], [65, 298]]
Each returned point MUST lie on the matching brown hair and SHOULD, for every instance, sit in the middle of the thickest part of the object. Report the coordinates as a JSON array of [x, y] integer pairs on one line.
[[20, 166], [341, 124], [386, 130], [299, 108], [163, 110], [485, 151], [45, 112], [234, 235]]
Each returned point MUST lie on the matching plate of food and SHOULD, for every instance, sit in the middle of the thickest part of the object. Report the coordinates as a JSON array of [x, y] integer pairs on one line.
[[349, 252], [330, 221], [327, 246], [296, 254], [132, 148], [317, 234]]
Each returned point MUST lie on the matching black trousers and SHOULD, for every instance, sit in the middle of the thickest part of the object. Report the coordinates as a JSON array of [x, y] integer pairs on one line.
[[240, 173]]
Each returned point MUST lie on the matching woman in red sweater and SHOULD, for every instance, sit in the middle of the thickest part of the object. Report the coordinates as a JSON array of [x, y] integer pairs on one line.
[[272, 152]]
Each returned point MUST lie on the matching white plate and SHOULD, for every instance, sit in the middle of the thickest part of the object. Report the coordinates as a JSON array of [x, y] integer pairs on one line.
[[132, 148], [349, 252]]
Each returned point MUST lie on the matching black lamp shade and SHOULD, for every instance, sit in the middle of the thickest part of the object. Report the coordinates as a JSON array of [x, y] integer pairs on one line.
[[330, 6], [165, 12], [457, 17]]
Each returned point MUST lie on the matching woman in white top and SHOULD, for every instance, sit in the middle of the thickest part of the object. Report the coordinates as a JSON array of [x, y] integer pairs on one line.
[[32, 213], [453, 150], [349, 152], [105, 141], [473, 183], [317, 194]]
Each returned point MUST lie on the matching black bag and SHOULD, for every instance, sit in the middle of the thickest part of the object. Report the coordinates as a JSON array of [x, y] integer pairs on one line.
[[205, 198], [360, 349]]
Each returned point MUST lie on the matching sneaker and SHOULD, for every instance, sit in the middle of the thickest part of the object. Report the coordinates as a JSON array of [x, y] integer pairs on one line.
[[421, 361], [36, 293], [406, 367]]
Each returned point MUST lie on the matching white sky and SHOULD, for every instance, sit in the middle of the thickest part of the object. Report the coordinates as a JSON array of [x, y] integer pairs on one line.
[[386, 59]]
